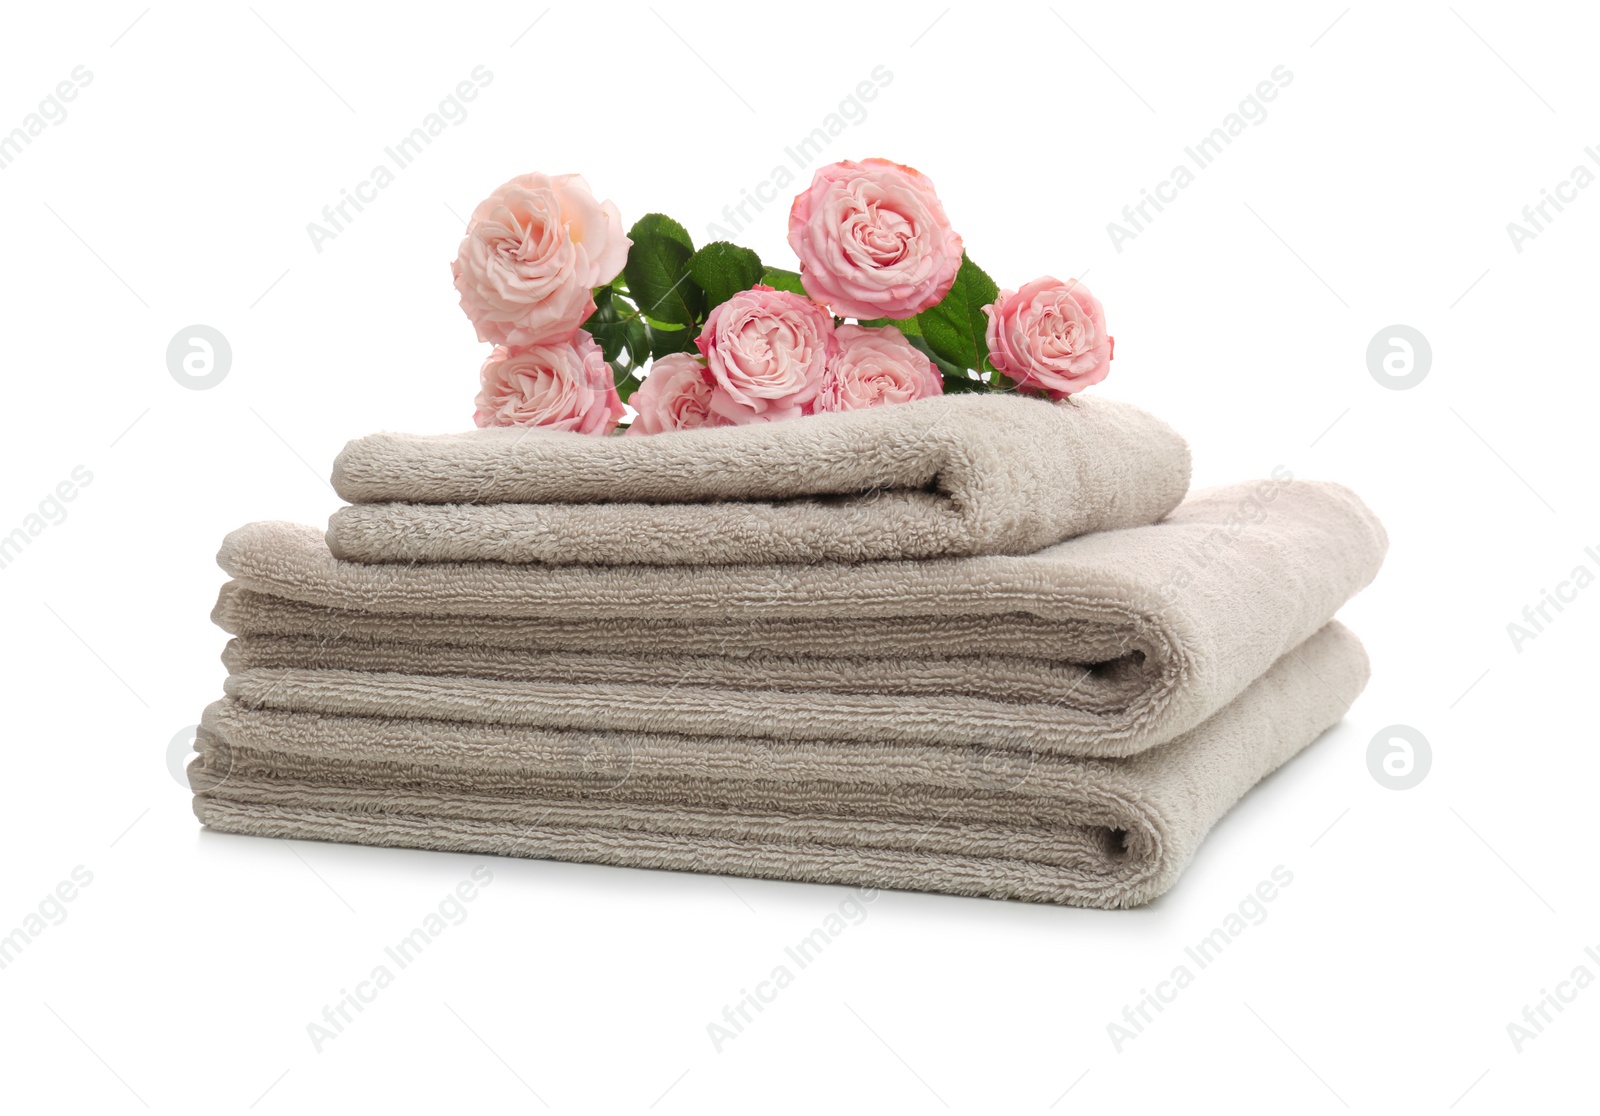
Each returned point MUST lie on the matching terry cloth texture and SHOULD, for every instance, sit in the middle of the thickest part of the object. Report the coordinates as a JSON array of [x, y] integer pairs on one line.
[[970, 821], [1104, 645], [949, 476]]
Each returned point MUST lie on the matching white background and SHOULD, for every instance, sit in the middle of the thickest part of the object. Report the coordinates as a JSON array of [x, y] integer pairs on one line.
[[1377, 191]]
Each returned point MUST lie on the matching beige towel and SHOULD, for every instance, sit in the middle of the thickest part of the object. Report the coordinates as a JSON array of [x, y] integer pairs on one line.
[[1104, 645], [957, 475], [971, 821]]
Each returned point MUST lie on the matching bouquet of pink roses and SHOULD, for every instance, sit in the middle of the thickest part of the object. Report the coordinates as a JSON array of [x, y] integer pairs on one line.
[[585, 319]]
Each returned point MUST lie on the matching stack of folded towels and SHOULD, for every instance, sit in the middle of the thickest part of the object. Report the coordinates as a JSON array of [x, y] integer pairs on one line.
[[977, 644]]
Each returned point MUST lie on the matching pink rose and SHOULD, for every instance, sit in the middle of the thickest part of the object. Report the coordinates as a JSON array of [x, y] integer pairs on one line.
[[873, 240], [766, 351], [676, 395], [876, 366], [566, 386], [533, 250], [1050, 335]]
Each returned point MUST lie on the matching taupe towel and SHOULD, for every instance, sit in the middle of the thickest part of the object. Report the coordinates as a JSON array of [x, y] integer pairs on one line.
[[957, 475], [971, 821], [1104, 645]]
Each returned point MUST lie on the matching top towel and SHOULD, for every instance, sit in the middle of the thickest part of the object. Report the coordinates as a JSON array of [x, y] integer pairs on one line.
[[951, 476]]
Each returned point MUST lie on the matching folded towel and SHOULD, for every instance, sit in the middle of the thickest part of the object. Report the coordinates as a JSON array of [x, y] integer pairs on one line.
[[1104, 645], [970, 821], [957, 475], [705, 682]]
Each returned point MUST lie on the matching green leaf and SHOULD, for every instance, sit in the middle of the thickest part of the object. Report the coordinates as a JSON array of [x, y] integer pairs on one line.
[[616, 326], [722, 270], [600, 324], [679, 339], [658, 271], [955, 379], [907, 326], [624, 378], [957, 382], [638, 335], [779, 279], [955, 327]]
